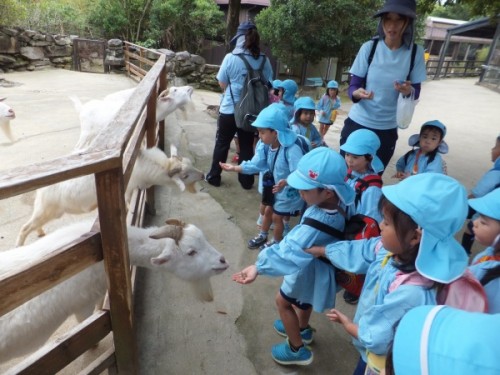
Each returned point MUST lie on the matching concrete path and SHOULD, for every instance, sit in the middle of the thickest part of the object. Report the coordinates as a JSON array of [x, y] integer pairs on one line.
[[176, 333]]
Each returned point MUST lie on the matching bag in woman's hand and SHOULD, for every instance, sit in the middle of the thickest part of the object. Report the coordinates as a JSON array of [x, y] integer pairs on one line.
[[405, 109], [267, 189]]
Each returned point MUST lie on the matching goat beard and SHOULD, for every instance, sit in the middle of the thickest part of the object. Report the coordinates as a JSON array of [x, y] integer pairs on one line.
[[203, 290]]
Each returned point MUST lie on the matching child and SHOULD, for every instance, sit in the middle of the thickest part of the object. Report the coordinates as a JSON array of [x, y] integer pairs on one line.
[[276, 139], [274, 92], [421, 215], [308, 283], [328, 103], [363, 167], [446, 341], [302, 122], [486, 265], [487, 183], [425, 157], [287, 90]]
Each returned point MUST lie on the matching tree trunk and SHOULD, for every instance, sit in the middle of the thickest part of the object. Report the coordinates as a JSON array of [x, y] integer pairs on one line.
[[233, 20]]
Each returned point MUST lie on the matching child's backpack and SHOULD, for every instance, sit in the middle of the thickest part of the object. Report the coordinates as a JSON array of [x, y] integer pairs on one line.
[[465, 293], [254, 96], [363, 183], [303, 143], [357, 227]]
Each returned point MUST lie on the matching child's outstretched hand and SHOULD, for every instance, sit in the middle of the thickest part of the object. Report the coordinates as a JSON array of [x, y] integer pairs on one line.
[[229, 167], [401, 175], [246, 275], [317, 251], [279, 186], [336, 316]]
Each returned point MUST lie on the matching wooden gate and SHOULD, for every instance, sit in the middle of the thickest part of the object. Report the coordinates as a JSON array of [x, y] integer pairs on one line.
[[89, 55]]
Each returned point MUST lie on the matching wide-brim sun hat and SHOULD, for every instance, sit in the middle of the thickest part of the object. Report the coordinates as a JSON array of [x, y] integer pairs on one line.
[[332, 85], [406, 8], [290, 89], [487, 205], [438, 340], [443, 148], [364, 142], [242, 29], [438, 204], [276, 84], [304, 102], [274, 117], [322, 168]]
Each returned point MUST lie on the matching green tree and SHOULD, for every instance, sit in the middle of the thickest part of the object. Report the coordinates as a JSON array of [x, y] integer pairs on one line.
[[479, 8], [453, 11], [184, 24], [11, 12]]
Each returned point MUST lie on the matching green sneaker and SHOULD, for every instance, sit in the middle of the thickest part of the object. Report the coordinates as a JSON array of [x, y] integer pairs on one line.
[[284, 355], [306, 334]]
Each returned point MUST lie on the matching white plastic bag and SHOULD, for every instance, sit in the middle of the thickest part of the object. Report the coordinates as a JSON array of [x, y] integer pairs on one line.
[[405, 109]]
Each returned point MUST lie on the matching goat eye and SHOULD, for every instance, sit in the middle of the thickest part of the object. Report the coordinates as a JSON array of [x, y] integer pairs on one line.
[[192, 252]]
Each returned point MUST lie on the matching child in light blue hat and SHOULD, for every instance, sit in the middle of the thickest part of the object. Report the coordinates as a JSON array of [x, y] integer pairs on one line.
[[308, 283], [287, 90], [302, 122], [425, 155], [437, 340], [277, 153], [486, 265], [421, 215], [328, 104], [274, 92]]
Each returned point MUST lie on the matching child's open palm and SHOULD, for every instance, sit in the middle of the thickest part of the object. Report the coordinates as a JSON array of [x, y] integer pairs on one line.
[[246, 275]]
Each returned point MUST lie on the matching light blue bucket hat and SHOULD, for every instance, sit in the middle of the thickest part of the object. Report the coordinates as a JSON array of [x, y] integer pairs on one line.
[[438, 204], [364, 142], [322, 168], [332, 85], [438, 340], [276, 84], [290, 88], [274, 117], [443, 146], [487, 205], [304, 102]]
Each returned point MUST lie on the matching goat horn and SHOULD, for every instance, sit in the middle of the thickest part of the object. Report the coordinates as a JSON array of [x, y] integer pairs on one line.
[[168, 231], [163, 93]]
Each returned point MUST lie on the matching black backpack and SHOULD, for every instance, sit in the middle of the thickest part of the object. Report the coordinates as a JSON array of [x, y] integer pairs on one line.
[[254, 96]]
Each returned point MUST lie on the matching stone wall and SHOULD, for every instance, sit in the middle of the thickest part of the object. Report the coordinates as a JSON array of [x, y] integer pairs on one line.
[[27, 50]]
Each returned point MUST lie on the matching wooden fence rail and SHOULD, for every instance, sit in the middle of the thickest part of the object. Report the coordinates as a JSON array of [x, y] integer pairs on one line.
[[110, 158]]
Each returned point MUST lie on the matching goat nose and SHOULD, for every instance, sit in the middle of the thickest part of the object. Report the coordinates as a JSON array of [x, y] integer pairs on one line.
[[222, 259]]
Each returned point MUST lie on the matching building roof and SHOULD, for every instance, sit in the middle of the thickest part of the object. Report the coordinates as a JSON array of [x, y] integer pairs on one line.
[[481, 28], [263, 3]]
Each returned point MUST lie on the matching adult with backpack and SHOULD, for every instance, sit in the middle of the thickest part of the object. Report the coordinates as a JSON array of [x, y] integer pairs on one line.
[[237, 69], [383, 68]]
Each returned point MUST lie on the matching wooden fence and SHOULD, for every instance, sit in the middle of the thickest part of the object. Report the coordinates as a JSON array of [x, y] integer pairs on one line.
[[110, 159], [454, 68]]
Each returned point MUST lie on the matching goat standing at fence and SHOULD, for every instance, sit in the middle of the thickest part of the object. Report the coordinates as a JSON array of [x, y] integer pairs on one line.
[[6, 114], [178, 248]]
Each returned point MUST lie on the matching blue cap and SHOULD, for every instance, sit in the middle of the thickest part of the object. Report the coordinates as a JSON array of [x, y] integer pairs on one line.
[[322, 168], [276, 84], [438, 204], [415, 138], [290, 88], [242, 29], [406, 8], [487, 205], [332, 85], [445, 340], [274, 117], [364, 142]]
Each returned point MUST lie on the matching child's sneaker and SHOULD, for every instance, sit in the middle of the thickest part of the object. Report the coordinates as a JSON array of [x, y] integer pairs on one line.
[[306, 334], [284, 355], [257, 242]]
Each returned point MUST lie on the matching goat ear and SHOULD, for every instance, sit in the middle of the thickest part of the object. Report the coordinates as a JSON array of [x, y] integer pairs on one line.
[[177, 222], [173, 150], [179, 183], [163, 258]]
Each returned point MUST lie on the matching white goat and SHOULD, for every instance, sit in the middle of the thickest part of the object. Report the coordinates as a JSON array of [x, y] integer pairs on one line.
[[95, 115], [176, 247], [78, 195], [6, 114]]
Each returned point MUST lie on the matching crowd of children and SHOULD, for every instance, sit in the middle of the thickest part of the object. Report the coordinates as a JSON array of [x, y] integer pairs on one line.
[[407, 266]]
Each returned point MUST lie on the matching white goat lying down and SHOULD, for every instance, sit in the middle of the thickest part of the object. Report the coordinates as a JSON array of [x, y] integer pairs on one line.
[[95, 115], [179, 248], [78, 195], [6, 114]]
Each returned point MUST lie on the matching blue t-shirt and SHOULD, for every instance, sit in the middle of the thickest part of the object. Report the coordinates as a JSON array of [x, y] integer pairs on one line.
[[386, 67], [233, 72]]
